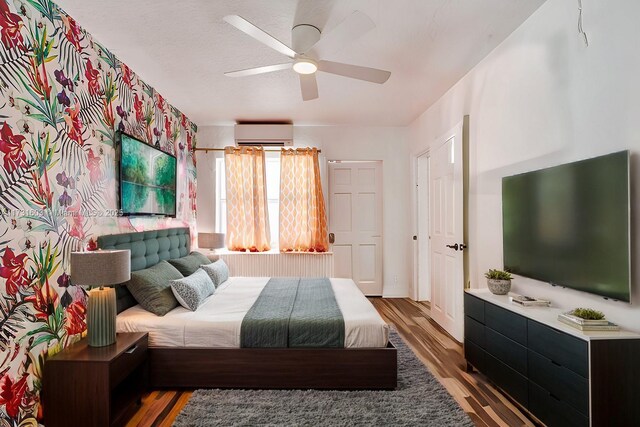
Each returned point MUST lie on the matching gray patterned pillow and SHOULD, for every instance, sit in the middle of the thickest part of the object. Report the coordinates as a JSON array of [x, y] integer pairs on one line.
[[192, 290], [218, 271]]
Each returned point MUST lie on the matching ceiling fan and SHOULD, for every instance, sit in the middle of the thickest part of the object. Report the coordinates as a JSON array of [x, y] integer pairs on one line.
[[308, 46]]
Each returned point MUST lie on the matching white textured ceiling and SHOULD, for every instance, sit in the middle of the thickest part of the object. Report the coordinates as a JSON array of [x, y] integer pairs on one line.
[[182, 48]]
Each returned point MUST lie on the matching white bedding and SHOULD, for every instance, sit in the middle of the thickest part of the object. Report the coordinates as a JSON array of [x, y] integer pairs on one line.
[[216, 323]]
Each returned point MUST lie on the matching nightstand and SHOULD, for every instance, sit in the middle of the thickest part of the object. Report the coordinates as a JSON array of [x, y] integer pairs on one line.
[[95, 386]]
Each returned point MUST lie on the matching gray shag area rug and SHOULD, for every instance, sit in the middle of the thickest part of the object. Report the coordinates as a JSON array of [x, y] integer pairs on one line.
[[419, 400]]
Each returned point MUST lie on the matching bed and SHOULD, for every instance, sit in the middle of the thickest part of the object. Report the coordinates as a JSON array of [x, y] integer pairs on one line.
[[202, 348]]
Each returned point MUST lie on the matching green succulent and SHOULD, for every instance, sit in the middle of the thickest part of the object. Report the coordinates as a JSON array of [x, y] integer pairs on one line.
[[497, 275], [588, 314]]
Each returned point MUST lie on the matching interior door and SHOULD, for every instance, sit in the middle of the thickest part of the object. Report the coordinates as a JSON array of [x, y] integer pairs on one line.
[[446, 222], [423, 252], [355, 220]]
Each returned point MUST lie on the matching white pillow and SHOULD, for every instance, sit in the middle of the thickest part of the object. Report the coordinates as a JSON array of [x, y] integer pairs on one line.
[[193, 290]]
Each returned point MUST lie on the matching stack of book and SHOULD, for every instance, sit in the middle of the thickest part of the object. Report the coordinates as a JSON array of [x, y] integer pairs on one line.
[[587, 325], [529, 301]]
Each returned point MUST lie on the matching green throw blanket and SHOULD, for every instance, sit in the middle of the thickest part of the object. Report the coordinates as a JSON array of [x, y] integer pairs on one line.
[[294, 312]]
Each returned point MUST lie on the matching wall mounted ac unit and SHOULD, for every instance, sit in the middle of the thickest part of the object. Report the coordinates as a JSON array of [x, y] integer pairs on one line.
[[264, 135]]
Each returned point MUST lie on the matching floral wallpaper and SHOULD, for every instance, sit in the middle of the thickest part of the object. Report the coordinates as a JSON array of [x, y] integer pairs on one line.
[[63, 96]]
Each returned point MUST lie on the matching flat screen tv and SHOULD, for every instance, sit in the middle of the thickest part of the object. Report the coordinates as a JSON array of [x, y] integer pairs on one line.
[[569, 225], [147, 179]]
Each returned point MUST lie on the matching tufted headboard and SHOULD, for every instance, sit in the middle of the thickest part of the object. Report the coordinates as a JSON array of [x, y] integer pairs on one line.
[[147, 249]]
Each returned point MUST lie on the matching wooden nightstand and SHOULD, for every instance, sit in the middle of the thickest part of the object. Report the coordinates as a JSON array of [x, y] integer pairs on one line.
[[95, 386]]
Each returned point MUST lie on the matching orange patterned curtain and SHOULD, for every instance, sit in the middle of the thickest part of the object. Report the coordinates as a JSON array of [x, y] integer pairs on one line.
[[303, 221], [247, 216]]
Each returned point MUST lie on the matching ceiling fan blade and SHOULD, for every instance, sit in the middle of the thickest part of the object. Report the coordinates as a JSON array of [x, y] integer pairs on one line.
[[350, 29], [354, 71], [258, 70], [308, 86], [255, 32]]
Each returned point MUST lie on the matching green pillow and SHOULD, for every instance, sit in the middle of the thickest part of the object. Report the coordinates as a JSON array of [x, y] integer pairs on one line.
[[187, 265], [151, 287]]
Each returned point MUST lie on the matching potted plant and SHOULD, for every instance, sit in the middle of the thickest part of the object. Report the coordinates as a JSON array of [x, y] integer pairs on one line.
[[499, 281], [587, 314]]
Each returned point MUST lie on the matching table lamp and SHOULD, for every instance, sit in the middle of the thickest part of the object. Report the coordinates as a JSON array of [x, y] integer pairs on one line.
[[101, 268], [211, 240]]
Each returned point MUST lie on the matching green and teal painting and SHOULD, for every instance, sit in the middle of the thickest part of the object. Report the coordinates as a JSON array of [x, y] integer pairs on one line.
[[148, 179]]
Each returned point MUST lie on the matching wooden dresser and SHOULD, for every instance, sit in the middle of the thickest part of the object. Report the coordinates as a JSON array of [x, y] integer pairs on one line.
[[562, 376]]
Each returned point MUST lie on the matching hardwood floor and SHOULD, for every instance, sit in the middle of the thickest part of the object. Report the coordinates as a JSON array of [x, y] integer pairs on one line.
[[434, 347], [444, 357]]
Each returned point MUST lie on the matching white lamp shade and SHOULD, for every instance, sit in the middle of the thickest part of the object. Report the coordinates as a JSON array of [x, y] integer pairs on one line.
[[99, 268], [211, 240]]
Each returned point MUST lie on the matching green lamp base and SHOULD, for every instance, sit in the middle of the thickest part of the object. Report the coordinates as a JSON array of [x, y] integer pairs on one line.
[[101, 317]]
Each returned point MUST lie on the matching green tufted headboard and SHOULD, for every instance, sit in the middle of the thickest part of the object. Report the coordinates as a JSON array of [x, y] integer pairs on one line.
[[147, 249]]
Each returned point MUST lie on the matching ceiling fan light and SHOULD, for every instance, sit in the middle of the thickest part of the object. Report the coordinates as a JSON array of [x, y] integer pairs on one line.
[[305, 66]]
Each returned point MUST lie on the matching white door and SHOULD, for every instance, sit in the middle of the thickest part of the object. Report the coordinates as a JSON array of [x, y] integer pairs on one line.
[[355, 219], [423, 253], [447, 264]]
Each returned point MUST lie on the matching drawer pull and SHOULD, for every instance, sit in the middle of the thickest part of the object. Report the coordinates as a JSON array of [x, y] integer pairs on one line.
[[132, 349]]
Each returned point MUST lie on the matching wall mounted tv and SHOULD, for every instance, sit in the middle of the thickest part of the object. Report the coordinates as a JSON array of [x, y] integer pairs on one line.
[[569, 225], [147, 179]]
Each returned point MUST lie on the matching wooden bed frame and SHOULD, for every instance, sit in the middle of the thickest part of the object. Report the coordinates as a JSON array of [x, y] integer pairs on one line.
[[273, 368]]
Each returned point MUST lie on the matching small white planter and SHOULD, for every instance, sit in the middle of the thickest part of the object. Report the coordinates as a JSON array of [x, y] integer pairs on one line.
[[499, 287]]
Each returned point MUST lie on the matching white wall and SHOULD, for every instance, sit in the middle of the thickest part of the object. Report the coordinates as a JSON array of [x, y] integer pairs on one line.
[[209, 136], [540, 99], [388, 144]]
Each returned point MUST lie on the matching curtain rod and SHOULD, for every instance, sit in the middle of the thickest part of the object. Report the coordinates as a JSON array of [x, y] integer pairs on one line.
[[264, 148]]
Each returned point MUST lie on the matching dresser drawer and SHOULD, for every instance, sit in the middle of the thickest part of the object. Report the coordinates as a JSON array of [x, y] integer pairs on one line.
[[553, 412], [507, 379], [506, 350], [561, 348], [506, 322], [562, 383], [475, 356], [129, 360], [474, 331], [474, 307]]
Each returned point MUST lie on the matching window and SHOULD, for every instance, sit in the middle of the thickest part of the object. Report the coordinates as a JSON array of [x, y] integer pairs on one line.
[[272, 171]]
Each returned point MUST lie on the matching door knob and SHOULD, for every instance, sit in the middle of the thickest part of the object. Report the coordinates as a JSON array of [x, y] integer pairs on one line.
[[454, 246], [463, 246], [332, 238]]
